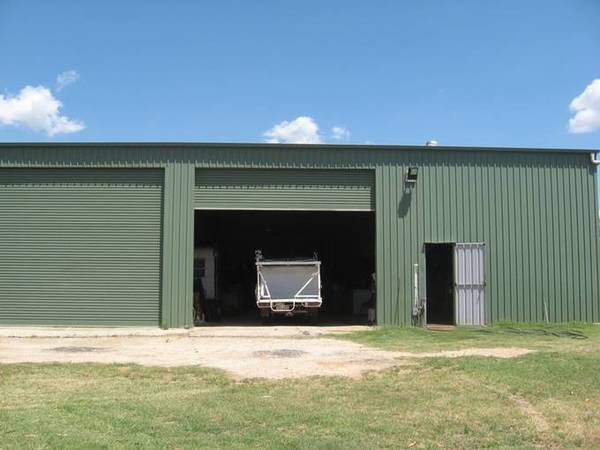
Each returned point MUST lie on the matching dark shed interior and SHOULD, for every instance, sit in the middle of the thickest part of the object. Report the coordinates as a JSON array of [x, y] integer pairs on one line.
[[440, 283], [343, 241]]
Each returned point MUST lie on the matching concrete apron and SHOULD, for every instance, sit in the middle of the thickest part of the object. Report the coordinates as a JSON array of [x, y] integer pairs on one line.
[[201, 331]]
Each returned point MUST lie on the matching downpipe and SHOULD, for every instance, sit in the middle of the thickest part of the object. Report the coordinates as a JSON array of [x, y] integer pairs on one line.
[[594, 158], [418, 309]]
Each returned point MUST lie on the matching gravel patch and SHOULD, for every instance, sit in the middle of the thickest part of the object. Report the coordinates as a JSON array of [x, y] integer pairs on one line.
[[497, 352], [241, 357]]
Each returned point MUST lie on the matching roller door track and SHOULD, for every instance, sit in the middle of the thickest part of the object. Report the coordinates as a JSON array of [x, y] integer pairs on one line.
[[80, 246], [285, 189]]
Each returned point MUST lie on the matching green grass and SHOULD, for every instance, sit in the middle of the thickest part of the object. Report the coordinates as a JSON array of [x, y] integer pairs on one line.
[[432, 403], [533, 336]]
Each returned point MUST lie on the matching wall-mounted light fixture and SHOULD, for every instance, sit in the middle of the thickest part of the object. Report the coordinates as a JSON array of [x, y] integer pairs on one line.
[[410, 177]]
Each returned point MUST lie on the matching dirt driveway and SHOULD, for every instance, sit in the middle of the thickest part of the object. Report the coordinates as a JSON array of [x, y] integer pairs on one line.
[[244, 352]]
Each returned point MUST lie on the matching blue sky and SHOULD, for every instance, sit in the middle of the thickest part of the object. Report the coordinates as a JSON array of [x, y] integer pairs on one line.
[[384, 72]]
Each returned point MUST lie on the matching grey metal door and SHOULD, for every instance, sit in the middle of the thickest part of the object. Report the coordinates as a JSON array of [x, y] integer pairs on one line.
[[469, 276]]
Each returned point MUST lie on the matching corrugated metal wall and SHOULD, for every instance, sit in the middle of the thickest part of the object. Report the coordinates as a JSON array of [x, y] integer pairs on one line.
[[178, 246], [536, 213], [285, 189], [80, 246], [536, 210]]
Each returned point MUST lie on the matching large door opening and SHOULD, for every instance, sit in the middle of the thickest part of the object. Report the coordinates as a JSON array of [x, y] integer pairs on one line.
[[225, 242], [440, 283]]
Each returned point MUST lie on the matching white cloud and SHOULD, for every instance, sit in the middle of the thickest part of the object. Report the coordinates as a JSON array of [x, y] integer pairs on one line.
[[340, 133], [586, 107], [301, 130], [66, 78], [37, 109]]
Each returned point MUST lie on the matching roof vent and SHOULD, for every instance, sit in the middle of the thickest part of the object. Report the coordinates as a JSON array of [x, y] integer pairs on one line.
[[431, 143]]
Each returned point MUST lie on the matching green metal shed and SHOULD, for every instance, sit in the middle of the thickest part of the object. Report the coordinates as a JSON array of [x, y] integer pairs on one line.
[[103, 233]]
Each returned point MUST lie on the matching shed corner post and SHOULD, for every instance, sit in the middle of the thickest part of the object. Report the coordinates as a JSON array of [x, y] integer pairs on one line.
[[178, 243]]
